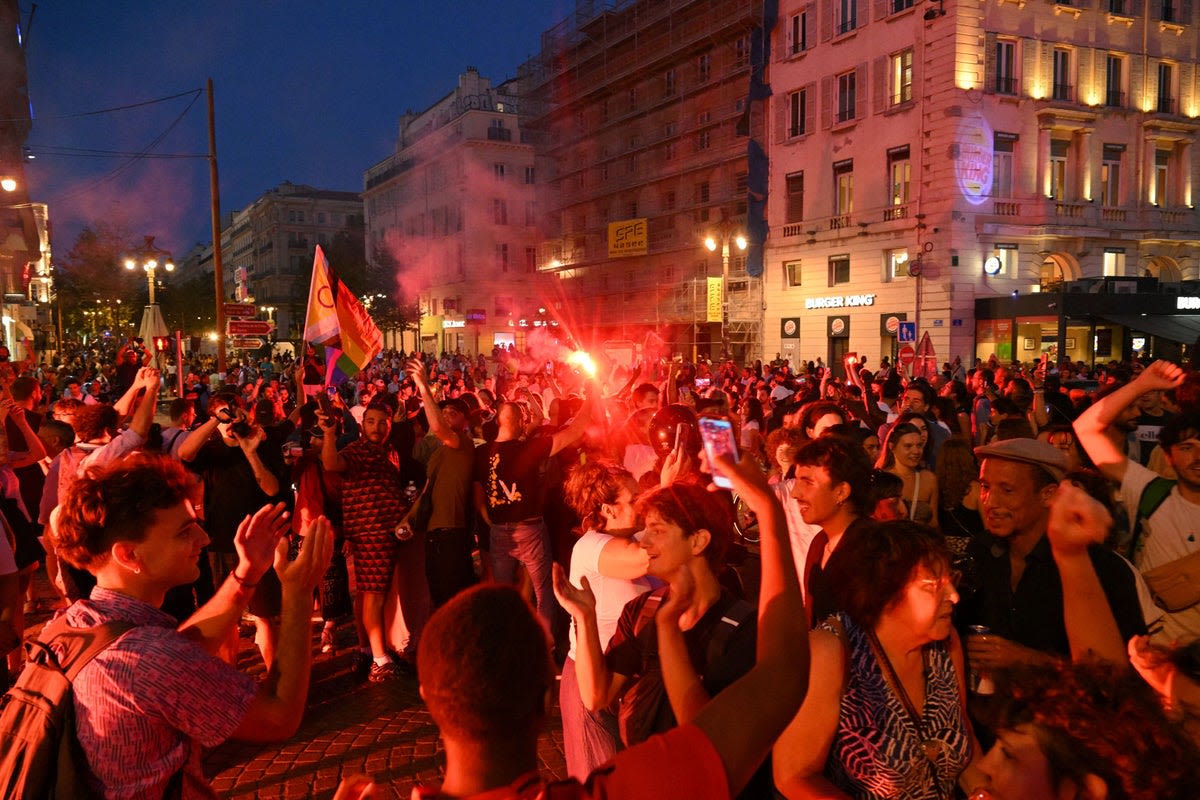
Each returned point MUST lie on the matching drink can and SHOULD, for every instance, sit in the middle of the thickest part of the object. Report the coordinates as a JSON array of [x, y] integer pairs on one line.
[[403, 531], [980, 681]]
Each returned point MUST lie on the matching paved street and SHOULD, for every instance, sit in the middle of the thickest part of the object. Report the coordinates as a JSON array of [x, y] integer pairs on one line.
[[349, 727]]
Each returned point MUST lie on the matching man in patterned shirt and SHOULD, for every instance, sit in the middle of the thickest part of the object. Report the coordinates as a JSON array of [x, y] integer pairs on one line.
[[147, 704]]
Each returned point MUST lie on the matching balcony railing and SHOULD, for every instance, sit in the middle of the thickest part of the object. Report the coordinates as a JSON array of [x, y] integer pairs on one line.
[[1112, 214], [1063, 91], [1006, 85], [1006, 208], [839, 222], [1165, 105], [895, 212], [1114, 98]]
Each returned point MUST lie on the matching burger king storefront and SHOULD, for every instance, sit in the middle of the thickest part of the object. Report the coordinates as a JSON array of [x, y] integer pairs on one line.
[[836, 319], [1093, 320]]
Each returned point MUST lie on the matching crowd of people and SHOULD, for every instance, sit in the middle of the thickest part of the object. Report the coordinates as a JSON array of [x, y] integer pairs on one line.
[[983, 581]]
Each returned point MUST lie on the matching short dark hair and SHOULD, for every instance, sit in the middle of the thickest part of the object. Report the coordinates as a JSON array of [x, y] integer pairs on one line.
[[818, 408], [178, 407], [845, 461], [1180, 429], [692, 507], [22, 388], [93, 421], [113, 503], [484, 661], [875, 561]]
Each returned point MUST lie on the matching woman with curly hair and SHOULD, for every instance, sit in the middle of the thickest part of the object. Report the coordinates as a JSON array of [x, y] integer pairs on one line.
[[608, 559], [1085, 731]]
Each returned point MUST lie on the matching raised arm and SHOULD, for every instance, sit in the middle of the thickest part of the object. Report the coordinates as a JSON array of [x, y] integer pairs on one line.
[[1092, 426], [574, 432], [437, 422], [745, 719]]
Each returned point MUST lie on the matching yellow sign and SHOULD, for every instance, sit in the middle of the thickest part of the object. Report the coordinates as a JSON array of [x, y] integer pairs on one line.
[[714, 300], [628, 237]]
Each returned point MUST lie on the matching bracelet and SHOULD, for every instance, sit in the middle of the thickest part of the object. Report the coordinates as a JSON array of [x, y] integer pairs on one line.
[[241, 582]]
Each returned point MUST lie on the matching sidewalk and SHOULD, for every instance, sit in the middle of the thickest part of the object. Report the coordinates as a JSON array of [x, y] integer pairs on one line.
[[382, 730]]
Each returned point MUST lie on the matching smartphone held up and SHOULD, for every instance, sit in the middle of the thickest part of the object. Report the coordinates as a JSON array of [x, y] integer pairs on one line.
[[717, 435]]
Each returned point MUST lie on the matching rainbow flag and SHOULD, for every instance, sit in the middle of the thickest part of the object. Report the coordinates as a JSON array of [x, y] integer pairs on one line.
[[339, 323]]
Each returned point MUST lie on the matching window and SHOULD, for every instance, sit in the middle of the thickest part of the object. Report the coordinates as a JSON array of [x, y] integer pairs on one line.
[[1006, 66], [795, 197], [320, 217], [798, 33], [847, 15], [631, 209], [669, 82], [498, 171], [1116, 6], [1110, 175], [1003, 145], [797, 111], [633, 99], [604, 110], [669, 201], [1161, 186], [901, 77], [531, 259], [702, 192], [504, 306], [896, 264], [529, 175], [900, 5], [847, 95], [741, 52], [899, 175], [1114, 261], [839, 269], [704, 66], [1062, 75], [843, 191], [791, 273], [1167, 11], [669, 151], [1057, 189], [499, 212], [530, 213], [1165, 101], [1114, 70], [704, 139], [502, 257]]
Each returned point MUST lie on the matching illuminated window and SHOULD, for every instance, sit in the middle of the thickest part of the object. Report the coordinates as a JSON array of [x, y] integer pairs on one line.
[[795, 197], [847, 95], [798, 33], [1003, 145], [1006, 66], [899, 175], [1110, 175], [897, 264], [1062, 89], [847, 15], [1162, 174], [1166, 91], [1058, 168], [901, 77], [1114, 261], [839, 269], [797, 113], [843, 190], [1114, 72]]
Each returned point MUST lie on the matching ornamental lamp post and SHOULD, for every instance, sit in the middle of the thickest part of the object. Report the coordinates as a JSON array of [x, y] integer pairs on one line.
[[727, 232], [150, 258]]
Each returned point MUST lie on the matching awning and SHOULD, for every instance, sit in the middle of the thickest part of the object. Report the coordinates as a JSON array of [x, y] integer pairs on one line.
[[1176, 327]]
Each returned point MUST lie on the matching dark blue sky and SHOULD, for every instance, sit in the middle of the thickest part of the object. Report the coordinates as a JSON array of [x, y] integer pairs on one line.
[[305, 91]]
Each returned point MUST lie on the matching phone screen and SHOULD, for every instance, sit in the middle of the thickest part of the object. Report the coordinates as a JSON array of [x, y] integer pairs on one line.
[[681, 435], [325, 405], [717, 435]]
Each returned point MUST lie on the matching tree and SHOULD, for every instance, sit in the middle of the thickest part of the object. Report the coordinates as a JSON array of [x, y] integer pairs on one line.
[[92, 277]]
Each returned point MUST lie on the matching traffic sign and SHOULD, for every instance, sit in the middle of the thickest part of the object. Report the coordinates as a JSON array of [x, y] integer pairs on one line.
[[246, 343], [249, 327], [907, 354], [239, 309], [906, 333]]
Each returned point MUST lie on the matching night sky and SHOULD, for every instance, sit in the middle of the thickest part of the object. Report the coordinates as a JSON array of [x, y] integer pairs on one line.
[[305, 92]]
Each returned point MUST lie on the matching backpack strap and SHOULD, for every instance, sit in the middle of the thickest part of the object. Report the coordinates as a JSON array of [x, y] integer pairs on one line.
[[649, 609], [1154, 495], [731, 619], [77, 646]]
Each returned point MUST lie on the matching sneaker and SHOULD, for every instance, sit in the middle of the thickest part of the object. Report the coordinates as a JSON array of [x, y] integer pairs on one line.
[[384, 672], [360, 665], [327, 640]]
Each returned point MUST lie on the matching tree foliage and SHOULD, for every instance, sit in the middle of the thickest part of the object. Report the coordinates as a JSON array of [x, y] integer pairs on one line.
[[92, 277]]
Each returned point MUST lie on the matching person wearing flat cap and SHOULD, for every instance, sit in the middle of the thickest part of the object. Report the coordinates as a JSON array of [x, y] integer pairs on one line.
[[1018, 592]]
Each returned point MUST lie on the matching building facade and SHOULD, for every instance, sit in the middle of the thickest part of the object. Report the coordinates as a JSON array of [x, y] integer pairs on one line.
[[642, 116], [454, 210], [965, 166]]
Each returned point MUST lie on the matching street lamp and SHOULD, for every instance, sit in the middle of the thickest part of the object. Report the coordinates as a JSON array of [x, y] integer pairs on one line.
[[726, 233], [150, 258]]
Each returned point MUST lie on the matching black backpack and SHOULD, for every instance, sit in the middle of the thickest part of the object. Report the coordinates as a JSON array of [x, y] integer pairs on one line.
[[40, 754]]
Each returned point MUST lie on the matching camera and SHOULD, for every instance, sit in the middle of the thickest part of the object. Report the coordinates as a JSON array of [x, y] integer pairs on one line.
[[241, 428]]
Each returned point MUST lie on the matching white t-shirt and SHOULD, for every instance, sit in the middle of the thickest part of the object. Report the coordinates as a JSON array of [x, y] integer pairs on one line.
[[1171, 532], [611, 593]]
